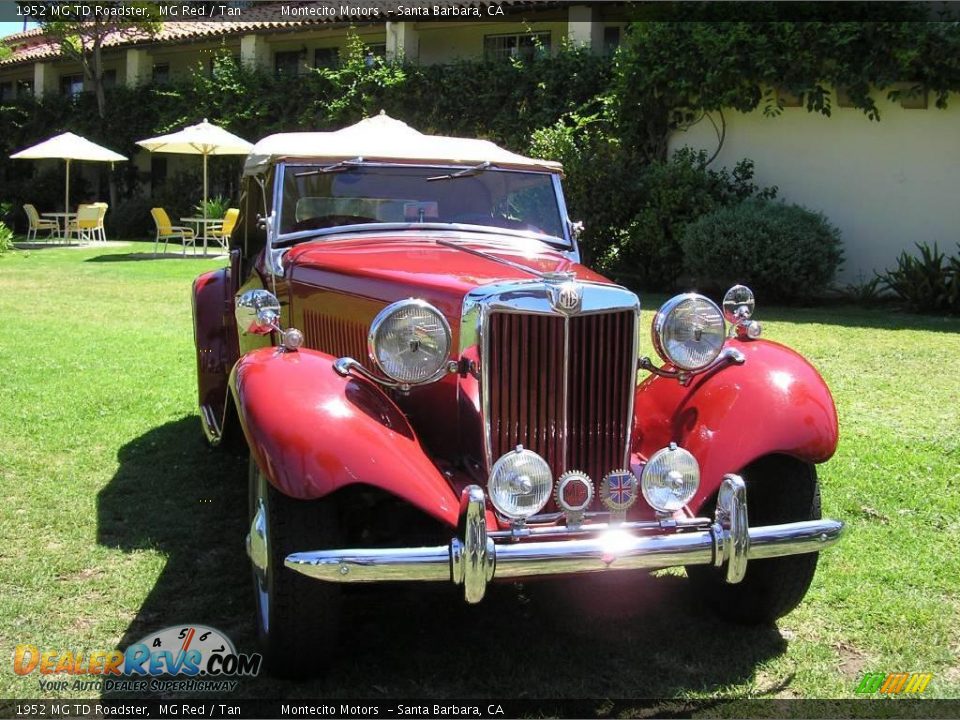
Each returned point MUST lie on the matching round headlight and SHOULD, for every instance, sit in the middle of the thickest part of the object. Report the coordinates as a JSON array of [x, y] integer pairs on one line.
[[688, 331], [520, 484], [410, 341], [670, 478]]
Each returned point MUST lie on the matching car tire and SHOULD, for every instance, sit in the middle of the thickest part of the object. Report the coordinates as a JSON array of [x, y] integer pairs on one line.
[[297, 617], [780, 489]]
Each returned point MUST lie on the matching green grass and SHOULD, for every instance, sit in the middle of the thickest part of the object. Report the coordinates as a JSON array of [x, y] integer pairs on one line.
[[116, 520]]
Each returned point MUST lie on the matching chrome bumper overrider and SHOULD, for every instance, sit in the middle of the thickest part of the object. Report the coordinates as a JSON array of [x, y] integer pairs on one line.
[[472, 558]]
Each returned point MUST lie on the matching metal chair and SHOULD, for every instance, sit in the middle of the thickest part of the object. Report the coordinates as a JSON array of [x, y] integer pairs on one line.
[[221, 233], [36, 223], [86, 223], [167, 230]]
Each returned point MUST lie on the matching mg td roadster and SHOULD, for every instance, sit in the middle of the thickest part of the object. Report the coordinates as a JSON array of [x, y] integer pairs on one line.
[[432, 388]]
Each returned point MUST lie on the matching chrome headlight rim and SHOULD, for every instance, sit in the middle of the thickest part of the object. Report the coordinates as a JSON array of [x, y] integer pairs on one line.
[[652, 461], [384, 315], [659, 324]]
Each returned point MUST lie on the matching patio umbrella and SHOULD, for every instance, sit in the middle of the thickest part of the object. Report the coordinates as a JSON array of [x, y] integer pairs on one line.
[[201, 139], [68, 147]]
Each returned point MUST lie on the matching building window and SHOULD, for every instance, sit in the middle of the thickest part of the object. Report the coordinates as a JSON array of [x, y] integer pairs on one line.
[[25, 88], [287, 63], [611, 39], [161, 73], [328, 57], [6, 91], [109, 78], [71, 85], [522, 45]]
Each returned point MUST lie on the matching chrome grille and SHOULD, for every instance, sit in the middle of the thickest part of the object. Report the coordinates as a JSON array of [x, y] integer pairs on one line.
[[562, 387]]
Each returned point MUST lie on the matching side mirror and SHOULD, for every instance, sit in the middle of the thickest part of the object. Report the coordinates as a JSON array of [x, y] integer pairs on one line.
[[257, 312], [576, 229]]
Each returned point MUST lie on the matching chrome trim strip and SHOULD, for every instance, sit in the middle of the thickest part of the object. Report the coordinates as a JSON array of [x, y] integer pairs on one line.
[[472, 559]]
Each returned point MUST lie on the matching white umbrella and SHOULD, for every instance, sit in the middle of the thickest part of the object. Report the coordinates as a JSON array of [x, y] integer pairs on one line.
[[201, 139], [68, 147]]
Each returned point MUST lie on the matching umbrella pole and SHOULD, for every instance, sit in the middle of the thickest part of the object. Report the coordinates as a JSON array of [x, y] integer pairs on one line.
[[66, 206], [205, 155]]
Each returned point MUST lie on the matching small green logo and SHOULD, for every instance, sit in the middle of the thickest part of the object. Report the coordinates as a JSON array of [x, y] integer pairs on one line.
[[894, 683]]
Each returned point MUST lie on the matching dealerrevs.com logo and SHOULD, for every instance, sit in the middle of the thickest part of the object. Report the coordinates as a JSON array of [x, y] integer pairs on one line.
[[177, 658]]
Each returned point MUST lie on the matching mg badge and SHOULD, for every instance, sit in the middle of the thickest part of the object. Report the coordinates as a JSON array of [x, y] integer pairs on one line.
[[566, 297], [574, 493]]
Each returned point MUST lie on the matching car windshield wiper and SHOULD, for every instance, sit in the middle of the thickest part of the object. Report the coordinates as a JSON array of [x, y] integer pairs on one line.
[[466, 172], [336, 167]]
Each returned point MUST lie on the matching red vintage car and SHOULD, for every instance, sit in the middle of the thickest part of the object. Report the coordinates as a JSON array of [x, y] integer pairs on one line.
[[433, 388]]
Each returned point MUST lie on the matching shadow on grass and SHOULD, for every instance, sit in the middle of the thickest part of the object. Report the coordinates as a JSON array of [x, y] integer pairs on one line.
[[620, 636], [134, 257]]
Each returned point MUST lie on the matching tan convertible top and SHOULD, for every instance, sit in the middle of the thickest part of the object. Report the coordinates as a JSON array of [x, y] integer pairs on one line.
[[383, 138]]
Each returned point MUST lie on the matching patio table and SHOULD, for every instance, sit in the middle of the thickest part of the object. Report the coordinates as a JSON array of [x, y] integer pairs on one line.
[[207, 223], [63, 221]]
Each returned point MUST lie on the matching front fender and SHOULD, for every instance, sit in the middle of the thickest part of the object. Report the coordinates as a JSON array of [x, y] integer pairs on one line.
[[776, 402], [313, 432]]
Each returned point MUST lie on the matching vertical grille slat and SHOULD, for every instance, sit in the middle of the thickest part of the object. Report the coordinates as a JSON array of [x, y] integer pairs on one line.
[[526, 369]]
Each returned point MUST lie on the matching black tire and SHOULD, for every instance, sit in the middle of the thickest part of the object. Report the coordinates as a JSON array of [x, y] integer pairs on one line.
[[780, 489], [297, 617]]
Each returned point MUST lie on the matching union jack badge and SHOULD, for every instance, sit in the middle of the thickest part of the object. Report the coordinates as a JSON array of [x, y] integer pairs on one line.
[[618, 491]]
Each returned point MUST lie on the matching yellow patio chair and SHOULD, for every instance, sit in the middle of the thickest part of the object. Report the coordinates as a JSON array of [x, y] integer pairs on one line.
[[37, 223], [85, 223], [222, 232], [100, 232], [166, 230]]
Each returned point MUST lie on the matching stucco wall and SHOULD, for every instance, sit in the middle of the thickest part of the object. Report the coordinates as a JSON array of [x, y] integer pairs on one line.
[[885, 184]]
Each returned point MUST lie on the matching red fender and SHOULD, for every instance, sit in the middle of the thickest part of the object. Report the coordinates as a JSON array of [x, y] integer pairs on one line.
[[776, 402], [215, 337], [313, 432]]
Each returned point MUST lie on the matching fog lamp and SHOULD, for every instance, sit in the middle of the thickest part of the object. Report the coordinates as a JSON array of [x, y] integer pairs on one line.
[[670, 478], [520, 484]]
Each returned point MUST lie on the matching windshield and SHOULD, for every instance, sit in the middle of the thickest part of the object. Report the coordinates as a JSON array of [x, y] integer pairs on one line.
[[317, 197]]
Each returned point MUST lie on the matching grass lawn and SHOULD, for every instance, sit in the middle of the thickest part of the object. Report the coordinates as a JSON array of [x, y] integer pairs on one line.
[[116, 520]]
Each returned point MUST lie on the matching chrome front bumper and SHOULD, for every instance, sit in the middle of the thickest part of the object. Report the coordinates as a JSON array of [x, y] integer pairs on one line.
[[473, 559]]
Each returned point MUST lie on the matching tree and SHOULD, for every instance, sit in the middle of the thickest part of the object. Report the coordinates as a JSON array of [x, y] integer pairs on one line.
[[90, 25], [95, 22]]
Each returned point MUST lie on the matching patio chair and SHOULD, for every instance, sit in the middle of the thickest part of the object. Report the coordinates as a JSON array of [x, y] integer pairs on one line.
[[36, 223], [100, 232], [167, 231], [221, 233], [85, 224]]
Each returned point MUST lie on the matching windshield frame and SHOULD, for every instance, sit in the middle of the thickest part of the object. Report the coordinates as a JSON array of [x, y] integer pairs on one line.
[[277, 240]]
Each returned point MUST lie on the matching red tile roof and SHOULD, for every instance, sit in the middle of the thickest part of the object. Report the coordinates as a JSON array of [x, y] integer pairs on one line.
[[32, 45]]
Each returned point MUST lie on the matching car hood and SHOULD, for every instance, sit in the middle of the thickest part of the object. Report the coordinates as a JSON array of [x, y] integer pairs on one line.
[[440, 267]]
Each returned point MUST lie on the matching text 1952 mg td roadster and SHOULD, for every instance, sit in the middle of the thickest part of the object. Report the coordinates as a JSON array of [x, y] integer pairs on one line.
[[433, 388]]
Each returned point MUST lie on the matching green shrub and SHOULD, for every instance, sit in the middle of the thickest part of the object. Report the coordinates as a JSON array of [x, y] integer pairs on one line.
[[929, 283], [216, 207], [600, 185], [130, 220], [671, 194], [784, 252], [6, 238]]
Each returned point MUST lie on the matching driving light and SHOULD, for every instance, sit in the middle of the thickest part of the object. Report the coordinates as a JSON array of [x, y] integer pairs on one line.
[[670, 478], [688, 331], [410, 342], [738, 304], [520, 484]]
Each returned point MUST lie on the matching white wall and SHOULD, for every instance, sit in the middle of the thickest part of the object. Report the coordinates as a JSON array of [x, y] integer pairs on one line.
[[885, 184]]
